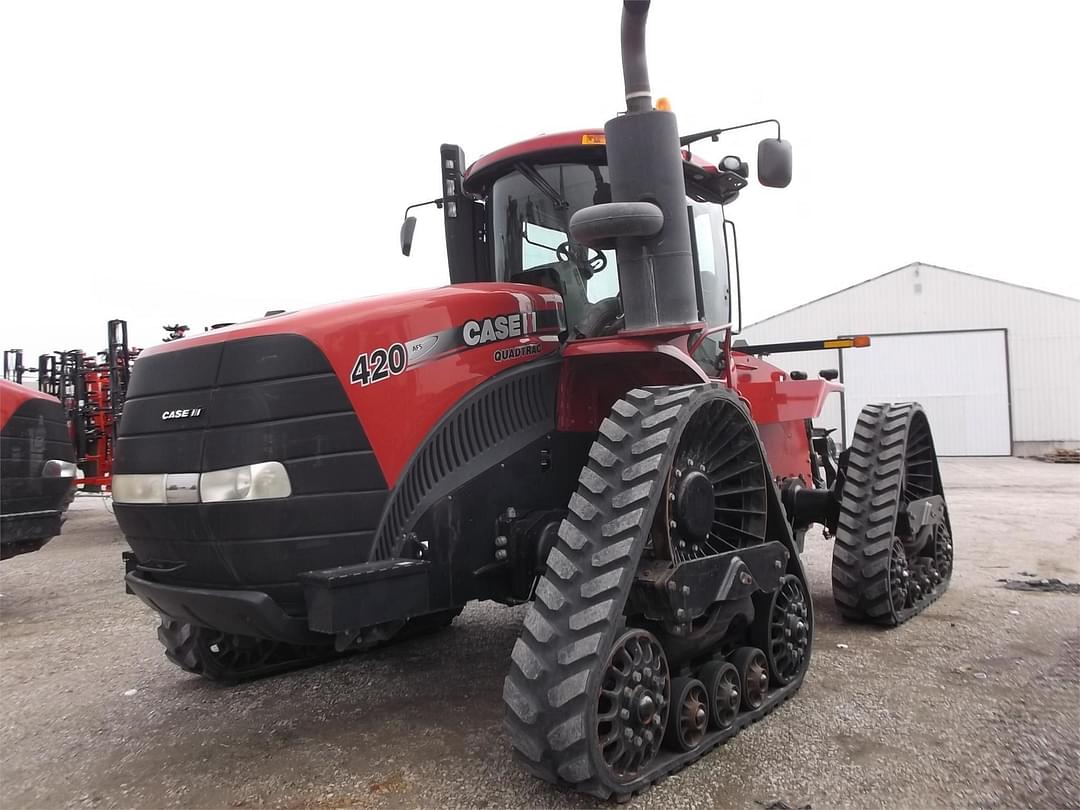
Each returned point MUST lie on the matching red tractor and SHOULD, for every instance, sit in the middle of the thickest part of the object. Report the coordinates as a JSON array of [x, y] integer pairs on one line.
[[37, 467], [566, 424]]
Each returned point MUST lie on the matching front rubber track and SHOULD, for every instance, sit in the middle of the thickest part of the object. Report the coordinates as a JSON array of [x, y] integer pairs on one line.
[[869, 503], [570, 626], [186, 647]]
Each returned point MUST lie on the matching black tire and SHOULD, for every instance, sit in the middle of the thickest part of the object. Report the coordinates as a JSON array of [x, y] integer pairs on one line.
[[753, 669], [891, 461], [552, 688], [229, 658]]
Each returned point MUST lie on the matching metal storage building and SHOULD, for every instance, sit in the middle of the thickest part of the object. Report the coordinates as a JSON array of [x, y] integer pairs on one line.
[[996, 365]]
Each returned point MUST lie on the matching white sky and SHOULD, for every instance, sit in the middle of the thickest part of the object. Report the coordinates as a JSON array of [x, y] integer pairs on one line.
[[205, 161]]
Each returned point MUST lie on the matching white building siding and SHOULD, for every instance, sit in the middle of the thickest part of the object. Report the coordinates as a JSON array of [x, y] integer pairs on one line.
[[1043, 335]]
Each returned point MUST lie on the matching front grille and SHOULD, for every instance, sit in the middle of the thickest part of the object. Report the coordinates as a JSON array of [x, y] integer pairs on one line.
[[267, 398], [35, 433]]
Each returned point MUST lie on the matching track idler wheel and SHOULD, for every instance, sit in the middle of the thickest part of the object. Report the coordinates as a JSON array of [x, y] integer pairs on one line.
[[724, 688], [787, 636], [943, 554], [632, 706], [753, 669], [902, 588], [689, 717]]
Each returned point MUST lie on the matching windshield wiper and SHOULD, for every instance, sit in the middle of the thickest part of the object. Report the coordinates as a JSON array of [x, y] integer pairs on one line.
[[533, 176], [578, 253]]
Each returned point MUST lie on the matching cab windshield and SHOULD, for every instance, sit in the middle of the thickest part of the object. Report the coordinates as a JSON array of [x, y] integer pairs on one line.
[[530, 224]]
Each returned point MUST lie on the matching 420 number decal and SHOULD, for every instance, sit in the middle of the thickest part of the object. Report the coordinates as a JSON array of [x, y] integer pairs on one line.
[[379, 364]]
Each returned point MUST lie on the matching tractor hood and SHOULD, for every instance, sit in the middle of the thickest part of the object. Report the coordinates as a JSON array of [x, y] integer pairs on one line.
[[402, 359]]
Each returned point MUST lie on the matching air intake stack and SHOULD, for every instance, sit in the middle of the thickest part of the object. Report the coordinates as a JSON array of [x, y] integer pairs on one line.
[[646, 222]]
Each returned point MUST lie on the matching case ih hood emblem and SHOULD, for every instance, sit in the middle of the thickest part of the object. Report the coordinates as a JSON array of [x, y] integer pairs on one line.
[[388, 361], [182, 413], [501, 327]]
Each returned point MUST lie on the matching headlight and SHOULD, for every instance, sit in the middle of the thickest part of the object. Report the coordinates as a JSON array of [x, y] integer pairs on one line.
[[58, 468], [139, 488], [268, 479], [181, 488], [248, 483]]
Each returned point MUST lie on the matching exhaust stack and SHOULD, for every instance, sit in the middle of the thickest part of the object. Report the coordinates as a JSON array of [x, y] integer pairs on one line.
[[646, 222], [635, 67]]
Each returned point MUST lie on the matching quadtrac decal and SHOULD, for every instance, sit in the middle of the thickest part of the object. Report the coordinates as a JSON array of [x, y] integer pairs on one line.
[[515, 352]]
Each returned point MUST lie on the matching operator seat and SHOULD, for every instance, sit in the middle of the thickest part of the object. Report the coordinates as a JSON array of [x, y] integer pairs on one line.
[[603, 318], [585, 319]]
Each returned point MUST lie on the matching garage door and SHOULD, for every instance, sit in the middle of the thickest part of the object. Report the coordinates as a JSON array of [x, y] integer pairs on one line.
[[961, 379]]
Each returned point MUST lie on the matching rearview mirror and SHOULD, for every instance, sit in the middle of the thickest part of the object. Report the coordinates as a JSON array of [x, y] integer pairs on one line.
[[407, 228], [774, 163]]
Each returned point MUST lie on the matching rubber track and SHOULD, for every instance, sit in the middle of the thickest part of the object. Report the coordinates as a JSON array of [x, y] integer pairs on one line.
[[868, 507], [184, 648], [572, 623]]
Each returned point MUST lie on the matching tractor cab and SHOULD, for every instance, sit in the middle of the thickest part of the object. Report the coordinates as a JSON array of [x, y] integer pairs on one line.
[[507, 219]]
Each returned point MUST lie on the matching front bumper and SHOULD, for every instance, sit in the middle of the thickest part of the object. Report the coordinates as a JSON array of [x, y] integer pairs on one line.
[[338, 600], [245, 613]]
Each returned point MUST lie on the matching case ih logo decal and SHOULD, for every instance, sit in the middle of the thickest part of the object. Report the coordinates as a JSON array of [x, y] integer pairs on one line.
[[183, 413], [380, 365], [501, 327], [385, 362]]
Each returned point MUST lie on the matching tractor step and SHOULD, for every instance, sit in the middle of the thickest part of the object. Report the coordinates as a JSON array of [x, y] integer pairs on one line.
[[352, 597]]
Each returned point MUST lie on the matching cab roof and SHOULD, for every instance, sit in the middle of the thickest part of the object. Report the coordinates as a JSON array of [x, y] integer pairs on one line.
[[560, 146], [704, 181]]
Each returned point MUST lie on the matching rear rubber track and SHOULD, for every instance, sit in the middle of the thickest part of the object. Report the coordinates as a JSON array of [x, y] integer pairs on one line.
[[868, 510], [577, 614]]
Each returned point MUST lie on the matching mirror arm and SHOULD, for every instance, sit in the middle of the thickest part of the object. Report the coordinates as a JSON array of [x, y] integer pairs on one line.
[[714, 134], [437, 202]]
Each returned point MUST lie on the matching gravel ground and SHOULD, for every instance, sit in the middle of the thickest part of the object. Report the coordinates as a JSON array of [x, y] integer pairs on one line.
[[975, 704]]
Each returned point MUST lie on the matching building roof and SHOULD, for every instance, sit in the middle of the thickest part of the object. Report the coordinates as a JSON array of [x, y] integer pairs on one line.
[[906, 267]]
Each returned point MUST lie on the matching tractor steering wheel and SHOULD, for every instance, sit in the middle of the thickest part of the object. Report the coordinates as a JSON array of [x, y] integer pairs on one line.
[[593, 264]]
